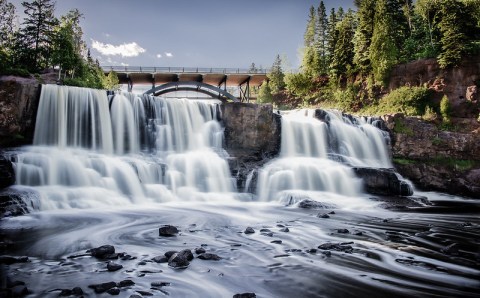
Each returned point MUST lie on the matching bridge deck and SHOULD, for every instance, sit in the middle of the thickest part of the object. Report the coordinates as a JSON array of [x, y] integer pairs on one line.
[[161, 75]]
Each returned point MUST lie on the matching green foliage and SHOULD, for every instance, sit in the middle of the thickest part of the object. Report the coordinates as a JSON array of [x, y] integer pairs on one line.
[[430, 114], [383, 50], [445, 109], [342, 59], [363, 35], [320, 45], [400, 127], [276, 76], [298, 84], [265, 93], [411, 101], [111, 81], [404, 161]]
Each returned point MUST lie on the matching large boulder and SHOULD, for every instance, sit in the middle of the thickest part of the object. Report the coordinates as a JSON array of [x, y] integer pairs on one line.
[[383, 182], [7, 174]]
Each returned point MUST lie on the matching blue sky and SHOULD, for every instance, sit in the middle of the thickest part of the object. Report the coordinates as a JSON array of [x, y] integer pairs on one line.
[[200, 33]]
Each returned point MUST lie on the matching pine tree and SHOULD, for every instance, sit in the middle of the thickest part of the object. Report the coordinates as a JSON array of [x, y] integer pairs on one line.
[[383, 52], [321, 39], [332, 36], [37, 31], [309, 36], [399, 20], [265, 93], [7, 27], [363, 36], [453, 39], [342, 60], [276, 76]]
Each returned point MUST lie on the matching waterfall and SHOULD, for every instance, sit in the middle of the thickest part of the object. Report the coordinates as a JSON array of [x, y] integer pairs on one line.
[[90, 150], [315, 156]]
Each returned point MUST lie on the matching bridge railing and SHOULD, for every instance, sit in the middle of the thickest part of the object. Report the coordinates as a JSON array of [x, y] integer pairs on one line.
[[199, 70]]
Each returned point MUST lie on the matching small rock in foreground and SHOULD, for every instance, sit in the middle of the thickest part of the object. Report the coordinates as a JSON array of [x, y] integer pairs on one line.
[[103, 252], [249, 230], [178, 261], [103, 287], [113, 266], [209, 256], [168, 231], [245, 295]]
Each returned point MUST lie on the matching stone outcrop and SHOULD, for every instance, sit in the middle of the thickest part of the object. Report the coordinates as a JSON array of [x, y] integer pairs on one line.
[[458, 83], [433, 159], [385, 182], [252, 138], [7, 174], [18, 109]]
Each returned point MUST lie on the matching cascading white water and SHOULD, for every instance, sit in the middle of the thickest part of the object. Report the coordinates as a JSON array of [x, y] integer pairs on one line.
[[142, 149], [304, 168]]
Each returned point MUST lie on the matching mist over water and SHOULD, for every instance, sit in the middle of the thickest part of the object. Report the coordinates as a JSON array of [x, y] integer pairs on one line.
[[112, 170]]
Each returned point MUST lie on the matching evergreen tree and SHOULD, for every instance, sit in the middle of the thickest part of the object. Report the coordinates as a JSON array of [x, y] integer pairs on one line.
[[340, 14], [253, 68], [363, 35], [276, 76], [37, 30], [332, 36], [310, 55], [309, 36], [7, 33], [399, 20], [321, 39], [111, 81], [383, 52], [265, 93], [452, 25], [342, 60]]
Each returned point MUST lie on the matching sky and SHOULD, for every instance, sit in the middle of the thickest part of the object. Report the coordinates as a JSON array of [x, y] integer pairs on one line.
[[193, 33]]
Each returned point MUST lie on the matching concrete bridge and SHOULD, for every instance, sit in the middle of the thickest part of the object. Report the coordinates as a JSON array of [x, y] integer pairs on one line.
[[210, 81]]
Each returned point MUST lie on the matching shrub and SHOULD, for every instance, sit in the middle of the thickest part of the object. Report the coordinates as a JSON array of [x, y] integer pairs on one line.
[[408, 100], [445, 109], [430, 114]]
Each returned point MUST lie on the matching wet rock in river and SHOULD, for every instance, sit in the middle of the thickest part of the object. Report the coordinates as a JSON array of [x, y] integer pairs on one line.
[[249, 230], [125, 283], [19, 291], [245, 295], [103, 252], [199, 250], [77, 291], [168, 231], [178, 261], [170, 253], [187, 253], [451, 249], [159, 284], [276, 241], [103, 287], [8, 260], [160, 259], [312, 204], [113, 266], [285, 230], [336, 246], [323, 215], [209, 256], [343, 231], [113, 291]]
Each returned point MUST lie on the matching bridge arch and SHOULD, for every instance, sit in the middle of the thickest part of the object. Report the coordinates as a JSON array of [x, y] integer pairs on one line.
[[208, 89]]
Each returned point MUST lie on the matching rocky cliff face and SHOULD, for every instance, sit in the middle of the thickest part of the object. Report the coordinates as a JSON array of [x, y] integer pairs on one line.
[[18, 109], [460, 83], [433, 159]]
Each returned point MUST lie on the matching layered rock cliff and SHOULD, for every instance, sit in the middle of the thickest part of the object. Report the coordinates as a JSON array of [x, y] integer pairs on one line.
[[435, 159]]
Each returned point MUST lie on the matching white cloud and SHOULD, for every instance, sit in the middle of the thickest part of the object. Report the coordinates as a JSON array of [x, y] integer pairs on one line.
[[168, 54], [125, 50], [159, 56]]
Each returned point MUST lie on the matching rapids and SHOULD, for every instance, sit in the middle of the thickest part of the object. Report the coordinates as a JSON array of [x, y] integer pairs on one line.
[[112, 170]]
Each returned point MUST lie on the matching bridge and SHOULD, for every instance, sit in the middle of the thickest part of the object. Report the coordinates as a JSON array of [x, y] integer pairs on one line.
[[210, 81]]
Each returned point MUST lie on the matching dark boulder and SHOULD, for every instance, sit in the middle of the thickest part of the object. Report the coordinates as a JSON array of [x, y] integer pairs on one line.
[[125, 283], [245, 295], [312, 204], [383, 182], [209, 256], [199, 250], [249, 230], [168, 231], [103, 287], [113, 266], [178, 261], [103, 252], [16, 202], [8, 260], [7, 174]]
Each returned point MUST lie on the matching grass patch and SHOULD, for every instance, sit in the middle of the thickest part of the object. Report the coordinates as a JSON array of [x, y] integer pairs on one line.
[[404, 161], [400, 127]]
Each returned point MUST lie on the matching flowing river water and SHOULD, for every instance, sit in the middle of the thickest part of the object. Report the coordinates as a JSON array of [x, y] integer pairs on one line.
[[114, 170]]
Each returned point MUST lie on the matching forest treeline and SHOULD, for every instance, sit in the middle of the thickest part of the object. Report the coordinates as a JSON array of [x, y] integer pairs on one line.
[[42, 41], [347, 56]]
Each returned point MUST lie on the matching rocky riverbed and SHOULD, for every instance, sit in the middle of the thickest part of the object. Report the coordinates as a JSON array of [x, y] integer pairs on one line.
[[193, 249]]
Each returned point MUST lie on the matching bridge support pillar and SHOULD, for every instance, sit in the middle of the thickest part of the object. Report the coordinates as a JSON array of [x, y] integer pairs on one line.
[[130, 85], [245, 90]]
